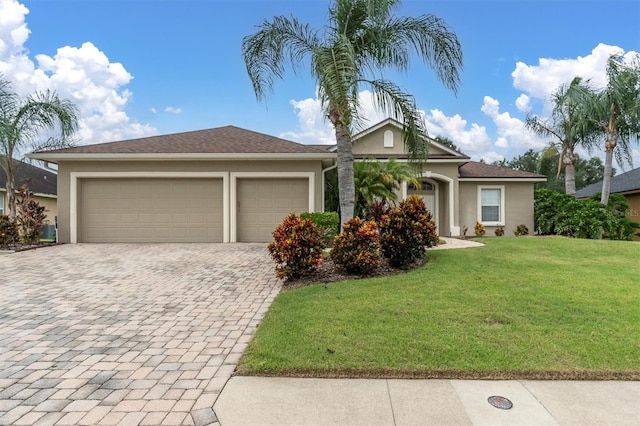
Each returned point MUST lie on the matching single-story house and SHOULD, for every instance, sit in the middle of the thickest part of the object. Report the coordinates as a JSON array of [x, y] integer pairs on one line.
[[234, 185], [41, 182], [627, 184]]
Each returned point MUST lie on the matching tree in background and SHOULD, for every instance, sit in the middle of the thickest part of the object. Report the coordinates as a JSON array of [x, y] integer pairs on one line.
[[24, 121], [568, 127], [448, 143], [362, 39], [616, 112], [587, 172]]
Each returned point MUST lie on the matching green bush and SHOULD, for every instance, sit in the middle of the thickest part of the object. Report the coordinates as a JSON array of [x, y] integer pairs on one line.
[[297, 247], [406, 232], [328, 222], [357, 248], [9, 233], [563, 214], [479, 229]]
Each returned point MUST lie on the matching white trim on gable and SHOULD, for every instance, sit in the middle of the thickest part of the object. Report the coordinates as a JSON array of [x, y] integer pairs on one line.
[[398, 125]]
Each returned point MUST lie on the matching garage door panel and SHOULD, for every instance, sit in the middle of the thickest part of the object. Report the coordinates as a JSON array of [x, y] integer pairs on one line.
[[264, 203], [150, 210]]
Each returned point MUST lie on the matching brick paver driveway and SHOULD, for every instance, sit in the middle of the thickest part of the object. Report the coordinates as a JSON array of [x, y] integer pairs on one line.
[[126, 333]]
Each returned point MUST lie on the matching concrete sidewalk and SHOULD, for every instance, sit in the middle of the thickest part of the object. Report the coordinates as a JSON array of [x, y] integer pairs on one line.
[[284, 401]]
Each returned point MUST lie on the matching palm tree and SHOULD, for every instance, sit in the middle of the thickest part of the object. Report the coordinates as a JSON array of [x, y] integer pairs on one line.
[[616, 112], [361, 40], [569, 126], [23, 122], [379, 180]]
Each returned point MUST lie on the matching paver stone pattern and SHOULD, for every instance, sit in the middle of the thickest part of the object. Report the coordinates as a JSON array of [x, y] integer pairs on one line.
[[126, 333]]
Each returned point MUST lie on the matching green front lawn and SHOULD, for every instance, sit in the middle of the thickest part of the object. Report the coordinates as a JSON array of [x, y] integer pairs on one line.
[[516, 308]]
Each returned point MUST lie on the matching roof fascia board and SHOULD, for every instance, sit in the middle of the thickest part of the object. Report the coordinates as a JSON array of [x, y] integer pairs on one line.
[[54, 158], [501, 179]]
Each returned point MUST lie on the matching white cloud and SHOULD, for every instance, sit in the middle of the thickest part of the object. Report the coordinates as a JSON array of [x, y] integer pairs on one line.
[[312, 127], [510, 130], [522, 103], [173, 110], [489, 157], [471, 139], [13, 29], [541, 80], [84, 75], [153, 110]]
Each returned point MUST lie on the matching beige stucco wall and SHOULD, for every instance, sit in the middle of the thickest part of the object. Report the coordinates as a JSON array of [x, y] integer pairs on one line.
[[66, 167], [50, 204], [634, 208], [518, 206], [373, 143]]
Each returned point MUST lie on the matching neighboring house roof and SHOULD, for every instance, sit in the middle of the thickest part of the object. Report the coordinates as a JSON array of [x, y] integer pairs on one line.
[[220, 140], [38, 180], [623, 183], [475, 170]]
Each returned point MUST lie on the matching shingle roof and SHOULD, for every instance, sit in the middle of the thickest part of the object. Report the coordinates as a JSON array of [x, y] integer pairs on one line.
[[38, 180], [473, 169], [220, 140], [625, 182]]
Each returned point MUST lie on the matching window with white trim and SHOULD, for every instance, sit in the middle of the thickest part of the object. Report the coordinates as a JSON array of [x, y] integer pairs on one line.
[[491, 205], [388, 139], [1, 204]]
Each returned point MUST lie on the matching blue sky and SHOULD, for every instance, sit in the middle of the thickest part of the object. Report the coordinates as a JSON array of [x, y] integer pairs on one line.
[[143, 67]]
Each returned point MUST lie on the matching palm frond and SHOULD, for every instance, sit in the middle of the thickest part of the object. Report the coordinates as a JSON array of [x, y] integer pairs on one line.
[[277, 45], [401, 106]]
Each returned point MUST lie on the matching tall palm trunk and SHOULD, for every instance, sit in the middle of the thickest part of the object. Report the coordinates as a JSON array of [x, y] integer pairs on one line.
[[569, 172], [570, 178], [11, 192], [346, 184], [606, 181], [609, 146]]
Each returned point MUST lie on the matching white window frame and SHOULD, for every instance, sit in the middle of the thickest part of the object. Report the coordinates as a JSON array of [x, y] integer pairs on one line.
[[1, 203], [501, 221], [388, 139]]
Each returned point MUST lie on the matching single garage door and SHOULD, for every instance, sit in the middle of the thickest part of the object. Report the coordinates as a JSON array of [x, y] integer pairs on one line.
[[263, 203], [150, 210]]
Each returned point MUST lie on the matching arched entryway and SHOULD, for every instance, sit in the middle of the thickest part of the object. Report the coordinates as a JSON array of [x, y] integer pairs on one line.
[[440, 189], [429, 191]]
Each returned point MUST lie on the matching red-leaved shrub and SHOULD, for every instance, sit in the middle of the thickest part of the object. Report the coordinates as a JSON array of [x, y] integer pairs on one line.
[[297, 247], [357, 248], [9, 233], [406, 232]]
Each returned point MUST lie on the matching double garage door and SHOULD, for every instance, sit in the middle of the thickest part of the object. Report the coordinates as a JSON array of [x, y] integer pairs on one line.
[[184, 209]]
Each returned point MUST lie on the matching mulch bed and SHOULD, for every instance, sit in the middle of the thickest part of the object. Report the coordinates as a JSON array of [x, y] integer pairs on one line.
[[24, 247], [328, 272]]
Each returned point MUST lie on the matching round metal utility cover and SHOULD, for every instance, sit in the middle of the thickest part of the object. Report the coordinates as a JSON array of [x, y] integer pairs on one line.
[[500, 402]]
